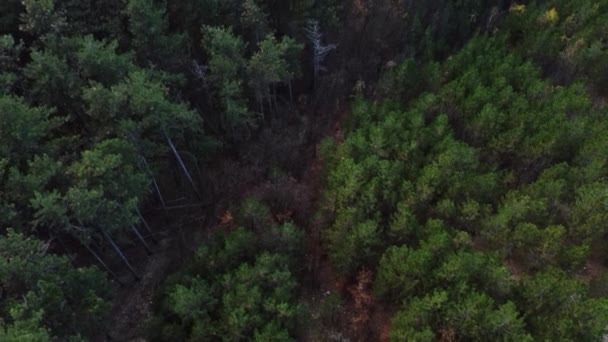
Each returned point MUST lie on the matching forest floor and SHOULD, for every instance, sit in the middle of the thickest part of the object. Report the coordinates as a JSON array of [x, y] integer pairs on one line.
[[132, 304], [179, 234]]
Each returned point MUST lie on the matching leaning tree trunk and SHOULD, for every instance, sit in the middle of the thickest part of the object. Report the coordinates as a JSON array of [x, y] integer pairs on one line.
[[120, 254], [181, 163], [145, 223], [86, 245], [148, 171], [156, 187], [141, 239]]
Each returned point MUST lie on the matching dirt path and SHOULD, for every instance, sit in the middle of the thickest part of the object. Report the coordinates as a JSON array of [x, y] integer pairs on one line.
[[132, 306], [361, 317]]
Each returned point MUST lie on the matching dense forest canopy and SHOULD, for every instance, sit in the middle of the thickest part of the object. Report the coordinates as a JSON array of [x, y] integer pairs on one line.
[[316, 170]]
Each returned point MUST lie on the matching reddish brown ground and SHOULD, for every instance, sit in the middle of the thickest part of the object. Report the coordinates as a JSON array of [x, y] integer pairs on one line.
[[362, 318]]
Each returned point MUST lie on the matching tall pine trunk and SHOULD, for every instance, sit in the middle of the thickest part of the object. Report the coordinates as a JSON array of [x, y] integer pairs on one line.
[[120, 254], [145, 223], [181, 163], [156, 187], [141, 239], [103, 264]]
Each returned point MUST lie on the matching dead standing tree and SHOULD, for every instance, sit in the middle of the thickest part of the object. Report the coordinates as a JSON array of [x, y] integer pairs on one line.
[[319, 50]]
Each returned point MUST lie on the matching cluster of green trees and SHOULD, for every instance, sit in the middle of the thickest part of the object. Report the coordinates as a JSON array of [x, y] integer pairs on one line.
[[471, 164], [99, 101], [44, 297], [240, 285]]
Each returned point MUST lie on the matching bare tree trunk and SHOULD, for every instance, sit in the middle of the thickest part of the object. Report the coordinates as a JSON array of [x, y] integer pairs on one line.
[[181, 164], [145, 223], [156, 187], [319, 50], [160, 196], [141, 239], [102, 263], [195, 161], [120, 254]]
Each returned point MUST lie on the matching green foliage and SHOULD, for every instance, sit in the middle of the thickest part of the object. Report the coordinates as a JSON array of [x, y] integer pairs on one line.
[[9, 59], [474, 317], [238, 286], [227, 65], [99, 61], [569, 46], [24, 331], [225, 53], [474, 154], [254, 19], [41, 17], [236, 114], [355, 244], [26, 165], [271, 63], [91, 95], [401, 272], [85, 17], [410, 79], [107, 187], [467, 160], [45, 296], [329, 309], [438, 28], [253, 214], [151, 40], [286, 239], [559, 308], [23, 128]]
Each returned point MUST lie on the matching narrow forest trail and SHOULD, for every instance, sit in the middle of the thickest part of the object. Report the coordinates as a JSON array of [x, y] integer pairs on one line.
[[362, 318], [322, 279], [132, 304]]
